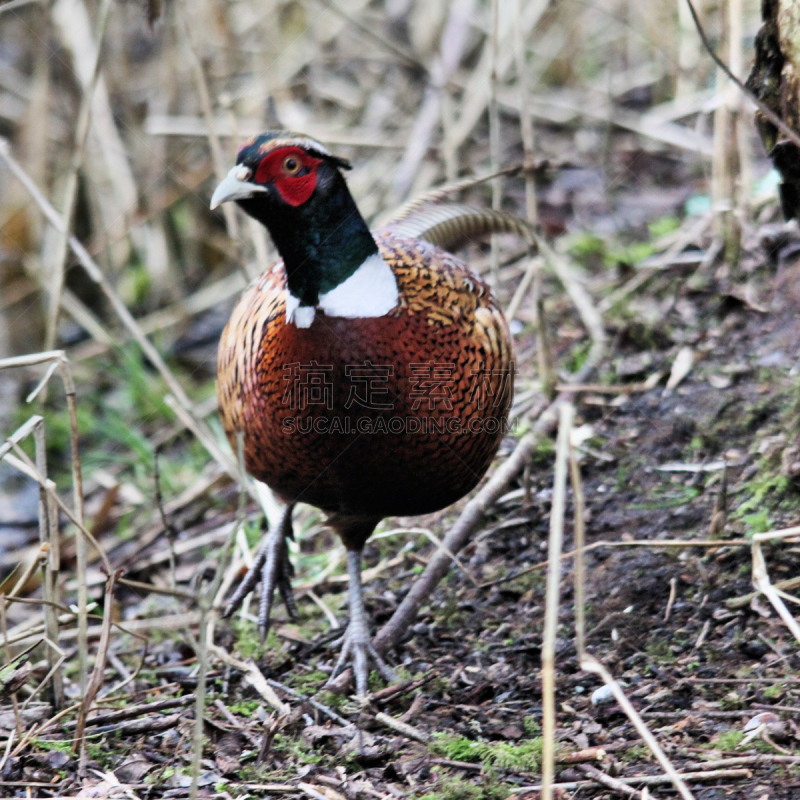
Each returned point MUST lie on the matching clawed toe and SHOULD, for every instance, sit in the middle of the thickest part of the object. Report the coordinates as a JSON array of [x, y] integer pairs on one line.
[[357, 649], [273, 566]]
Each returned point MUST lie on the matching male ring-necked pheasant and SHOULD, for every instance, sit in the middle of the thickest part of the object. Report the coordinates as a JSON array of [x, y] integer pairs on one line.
[[369, 373]]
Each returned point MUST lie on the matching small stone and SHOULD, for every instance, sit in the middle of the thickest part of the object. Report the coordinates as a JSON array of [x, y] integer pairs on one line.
[[602, 696], [634, 365], [511, 732]]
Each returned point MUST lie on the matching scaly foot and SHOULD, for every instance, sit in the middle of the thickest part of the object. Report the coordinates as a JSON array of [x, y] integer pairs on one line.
[[273, 566], [357, 646]]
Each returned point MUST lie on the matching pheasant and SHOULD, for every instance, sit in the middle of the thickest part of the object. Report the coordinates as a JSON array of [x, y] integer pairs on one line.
[[369, 373]]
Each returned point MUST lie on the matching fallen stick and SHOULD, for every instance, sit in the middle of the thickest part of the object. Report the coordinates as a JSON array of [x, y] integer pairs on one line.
[[456, 537], [582, 756], [155, 722], [745, 599], [472, 515], [744, 761], [608, 782], [135, 711], [646, 780], [402, 688], [402, 727]]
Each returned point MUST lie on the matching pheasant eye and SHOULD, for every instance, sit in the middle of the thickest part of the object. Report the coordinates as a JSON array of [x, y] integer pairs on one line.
[[291, 166]]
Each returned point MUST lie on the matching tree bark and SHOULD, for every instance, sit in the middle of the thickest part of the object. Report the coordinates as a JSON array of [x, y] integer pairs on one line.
[[775, 80]]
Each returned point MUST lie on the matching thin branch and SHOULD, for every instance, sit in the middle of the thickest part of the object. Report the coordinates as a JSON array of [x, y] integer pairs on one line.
[[762, 107], [55, 275], [552, 593], [12, 4]]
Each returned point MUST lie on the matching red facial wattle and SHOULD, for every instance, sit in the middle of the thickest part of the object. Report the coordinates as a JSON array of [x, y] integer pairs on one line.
[[294, 189]]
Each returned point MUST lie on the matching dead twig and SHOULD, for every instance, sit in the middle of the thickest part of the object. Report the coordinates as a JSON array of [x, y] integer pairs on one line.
[[253, 676], [169, 528], [791, 134], [744, 600], [151, 724], [403, 727], [647, 780], [59, 360], [591, 664], [404, 687], [761, 576], [581, 756], [55, 274], [96, 680], [328, 712], [579, 537], [606, 780], [673, 584], [135, 711]]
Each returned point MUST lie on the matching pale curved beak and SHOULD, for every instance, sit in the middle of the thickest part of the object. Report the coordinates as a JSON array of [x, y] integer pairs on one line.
[[233, 187]]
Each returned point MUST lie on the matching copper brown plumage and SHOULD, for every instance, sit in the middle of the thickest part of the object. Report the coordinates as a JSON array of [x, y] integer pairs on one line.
[[446, 316], [369, 374]]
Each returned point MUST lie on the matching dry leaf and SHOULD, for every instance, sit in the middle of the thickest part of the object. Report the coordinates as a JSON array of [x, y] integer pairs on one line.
[[681, 367]]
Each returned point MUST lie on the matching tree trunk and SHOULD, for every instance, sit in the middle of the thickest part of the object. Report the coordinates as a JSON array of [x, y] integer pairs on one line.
[[775, 80]]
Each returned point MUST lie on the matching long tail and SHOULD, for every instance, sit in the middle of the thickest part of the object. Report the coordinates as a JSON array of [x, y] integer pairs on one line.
[[451, 226]]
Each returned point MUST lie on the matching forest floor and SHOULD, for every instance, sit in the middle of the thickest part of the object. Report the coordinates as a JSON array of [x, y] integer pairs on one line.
[[698, 656]]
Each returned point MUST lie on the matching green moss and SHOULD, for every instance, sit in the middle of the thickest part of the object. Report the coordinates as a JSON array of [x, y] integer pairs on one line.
[[761, 746], [455, 748], [308, 682], [52, 744], [632, 254], [757, 522], [773, 692], [102, 751], [485, 787], [245, 707], [767, 488], [544, 452], [578, 355], [375, 682], [663, 226], [525, 756], [681, 496], [588, 249], [635, 754], [248, 642], [658, 650], [330, 699], [728, 740], [532, 727], [454, 789], [250, 773], [296, 749]]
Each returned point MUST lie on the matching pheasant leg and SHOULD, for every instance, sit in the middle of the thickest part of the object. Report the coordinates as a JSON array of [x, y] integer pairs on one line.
[[357, 645], [272, 565]]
